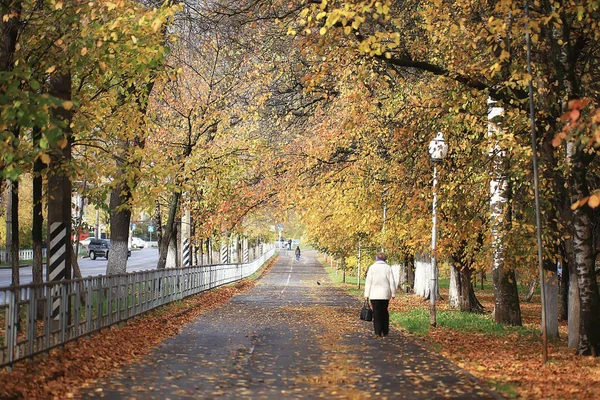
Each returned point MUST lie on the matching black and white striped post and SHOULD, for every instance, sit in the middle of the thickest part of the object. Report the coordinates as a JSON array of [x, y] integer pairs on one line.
[[187, 253], [57, 261], [246, 251], [186, 233], [224, 252]]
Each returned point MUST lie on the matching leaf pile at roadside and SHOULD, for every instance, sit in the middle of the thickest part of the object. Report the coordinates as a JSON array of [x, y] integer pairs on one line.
[[57, 375]]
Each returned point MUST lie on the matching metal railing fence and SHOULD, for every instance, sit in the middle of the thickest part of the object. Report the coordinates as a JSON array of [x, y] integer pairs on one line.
[[90, 304]]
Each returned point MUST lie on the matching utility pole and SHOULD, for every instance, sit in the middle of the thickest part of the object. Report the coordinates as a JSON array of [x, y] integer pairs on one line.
[[59, 193]]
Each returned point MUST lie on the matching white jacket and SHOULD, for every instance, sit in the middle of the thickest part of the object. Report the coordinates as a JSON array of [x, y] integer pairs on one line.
[[380, 283]]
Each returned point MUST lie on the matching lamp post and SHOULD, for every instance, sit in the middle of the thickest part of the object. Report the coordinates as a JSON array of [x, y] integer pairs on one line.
[[438, 150]]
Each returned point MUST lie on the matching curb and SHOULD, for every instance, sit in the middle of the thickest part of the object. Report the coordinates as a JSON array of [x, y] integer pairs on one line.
[[10, 267]]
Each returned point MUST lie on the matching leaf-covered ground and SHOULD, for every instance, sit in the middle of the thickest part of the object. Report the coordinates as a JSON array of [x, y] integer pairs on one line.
[[512, 362], [55, 375]]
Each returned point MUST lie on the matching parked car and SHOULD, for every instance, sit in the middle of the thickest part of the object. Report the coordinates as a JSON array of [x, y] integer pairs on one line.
[[137, 243], [100, 248]]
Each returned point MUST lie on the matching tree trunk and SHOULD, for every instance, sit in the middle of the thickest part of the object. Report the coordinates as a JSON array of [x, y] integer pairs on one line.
[[422, 276], [454, 290], [589, 328], [563, 312], [409, 262], [8, 220], [59, 188], [120, 218], [163, 246], [9, 31], [38, 216], [172, 253], [506, 297], [402, 278], [462, 292], [208, 252], [468, 300], [558, 194], [158, 224], [37, 224], [551, 303], [482, 278], [574, 313], [530, 291], [14, 244]]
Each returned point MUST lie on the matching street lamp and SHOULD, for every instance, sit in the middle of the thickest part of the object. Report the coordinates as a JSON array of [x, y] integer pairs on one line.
[[438, 150]]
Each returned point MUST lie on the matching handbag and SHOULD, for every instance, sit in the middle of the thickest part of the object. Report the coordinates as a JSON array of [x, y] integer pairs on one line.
[[366, 314]]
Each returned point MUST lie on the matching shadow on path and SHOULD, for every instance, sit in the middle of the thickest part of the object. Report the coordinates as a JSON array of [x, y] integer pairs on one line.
[[289, 337]]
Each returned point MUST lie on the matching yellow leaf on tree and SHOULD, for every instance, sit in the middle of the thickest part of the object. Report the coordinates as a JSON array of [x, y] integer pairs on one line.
[[45, 158], [323, 30], [51, 69], [62, 143], [67, 105]]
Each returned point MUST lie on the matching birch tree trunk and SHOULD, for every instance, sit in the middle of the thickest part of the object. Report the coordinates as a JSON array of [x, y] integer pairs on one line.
[[589, 328], [506, 297]]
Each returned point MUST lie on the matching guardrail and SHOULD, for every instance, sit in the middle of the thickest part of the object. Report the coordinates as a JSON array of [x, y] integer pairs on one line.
[[23, 255], [90, 304]]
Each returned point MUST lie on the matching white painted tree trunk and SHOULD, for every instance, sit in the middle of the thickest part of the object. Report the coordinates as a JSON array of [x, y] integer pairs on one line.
[[422, 275], [396, 271], [172, 255], [454, 292]]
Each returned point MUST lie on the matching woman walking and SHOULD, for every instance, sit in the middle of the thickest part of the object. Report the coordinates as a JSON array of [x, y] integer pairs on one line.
[[297, 253], [379, 288]]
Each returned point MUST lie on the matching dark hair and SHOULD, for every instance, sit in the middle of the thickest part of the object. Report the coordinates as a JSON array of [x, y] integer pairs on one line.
[[381, 256]]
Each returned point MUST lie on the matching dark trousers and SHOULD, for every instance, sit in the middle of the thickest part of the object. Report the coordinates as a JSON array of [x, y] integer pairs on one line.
[[381, 317]]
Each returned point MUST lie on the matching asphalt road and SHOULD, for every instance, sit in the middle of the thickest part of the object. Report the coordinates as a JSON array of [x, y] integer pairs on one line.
[[292, 336], [142, 259]]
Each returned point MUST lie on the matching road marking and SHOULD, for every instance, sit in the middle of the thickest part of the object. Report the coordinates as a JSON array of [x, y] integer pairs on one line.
[[289, 277]]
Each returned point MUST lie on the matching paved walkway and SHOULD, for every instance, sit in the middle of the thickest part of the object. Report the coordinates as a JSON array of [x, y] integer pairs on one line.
[[293, 335]]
